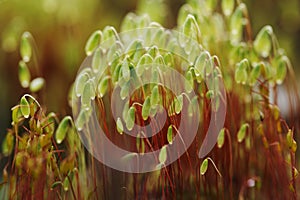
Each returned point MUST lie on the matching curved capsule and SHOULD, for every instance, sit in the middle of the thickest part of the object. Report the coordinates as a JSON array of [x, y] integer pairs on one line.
[[154, 99], [80, 83], [24, 74], [24, 107], [236, 24], [88, 94], [170, 134], [98, 61], [146, 108], [103, 86], [36, 84], [145, 61], [227, 7], [25, 47], [93, 42], [62, 129], [119, 125], [130, 118], [263, 41]]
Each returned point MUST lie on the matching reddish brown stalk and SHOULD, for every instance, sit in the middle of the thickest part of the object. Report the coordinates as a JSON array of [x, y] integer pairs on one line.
[[292, 155], [72, 189], [189, 160], [230, 162]]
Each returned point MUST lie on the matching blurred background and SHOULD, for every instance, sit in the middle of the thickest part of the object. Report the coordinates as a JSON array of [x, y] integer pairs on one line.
[[61, 28]]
